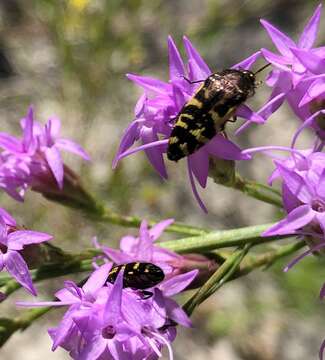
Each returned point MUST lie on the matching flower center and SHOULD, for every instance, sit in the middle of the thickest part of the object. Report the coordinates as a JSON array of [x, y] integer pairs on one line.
[[3, 248], [108, 332], [316, 105], [318, 206]]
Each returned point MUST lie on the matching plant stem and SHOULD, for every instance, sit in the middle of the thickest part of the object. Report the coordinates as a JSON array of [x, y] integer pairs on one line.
[[133, 221], [223, 173], [220, 276], [49, 271], [252, 262], [221, 239], [226, 272]]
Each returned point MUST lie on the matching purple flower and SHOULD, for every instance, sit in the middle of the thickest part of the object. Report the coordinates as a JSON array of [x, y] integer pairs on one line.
[[158, 107], [35, 159], [14, 175], [143, 249], [109, 322], [12, 242], [299, 72], [303, 192]]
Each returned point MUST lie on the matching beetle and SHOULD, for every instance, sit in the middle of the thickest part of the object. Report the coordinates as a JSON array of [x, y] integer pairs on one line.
[[206, 113], [138, 275]]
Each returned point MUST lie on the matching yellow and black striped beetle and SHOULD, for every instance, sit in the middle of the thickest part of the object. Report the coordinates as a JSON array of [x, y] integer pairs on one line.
[[206, 113]]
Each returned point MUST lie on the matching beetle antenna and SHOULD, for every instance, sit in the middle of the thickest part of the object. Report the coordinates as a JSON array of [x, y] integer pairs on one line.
[[262, 68]]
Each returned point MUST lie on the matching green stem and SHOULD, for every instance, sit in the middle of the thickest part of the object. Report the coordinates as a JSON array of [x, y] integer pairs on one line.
[[49, 271], [133, 221], [223, 173], [229, 270], [226, 272], [221, 275], [252, 262], [9, 326], [76, 263], [258, 191], [222, 239]]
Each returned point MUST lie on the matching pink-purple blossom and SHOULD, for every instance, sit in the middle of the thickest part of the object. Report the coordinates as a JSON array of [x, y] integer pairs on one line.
[[34, 161], [303, 192], [158, 107], [143, 249], [12, 241], [105, 321], [299, 71]]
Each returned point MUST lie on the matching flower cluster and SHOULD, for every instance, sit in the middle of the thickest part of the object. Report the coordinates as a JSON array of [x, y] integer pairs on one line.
[[34, 161], [108, 321], [12, 242], [157, 110]]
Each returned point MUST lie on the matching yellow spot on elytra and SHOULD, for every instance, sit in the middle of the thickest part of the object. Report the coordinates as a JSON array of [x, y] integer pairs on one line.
[[207, 93], [136, 266], [146, 270], [184, 148], [195, 102], [198, 135], [181, 123], [188, 116], [114, 270], [130, 273], [173, 140]]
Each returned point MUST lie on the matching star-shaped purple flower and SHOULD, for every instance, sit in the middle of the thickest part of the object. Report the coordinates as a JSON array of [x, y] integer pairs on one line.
[[158, 107], [303, 192], [299, 72], [107, 321], [143, 249], [35, 159], [12, 241]]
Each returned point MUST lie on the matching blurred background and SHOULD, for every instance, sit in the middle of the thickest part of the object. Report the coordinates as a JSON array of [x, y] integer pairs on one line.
[[69, 58]]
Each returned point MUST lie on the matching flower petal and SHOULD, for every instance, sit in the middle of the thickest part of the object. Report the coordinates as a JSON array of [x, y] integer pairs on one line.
[[176, 65], [18, 239], [177, 283], [248, 62], [200, 166], [312, 62], [290, 201], [10, 143], [155, 155], [72, 147], [193, 186], [97, 279], [17, 267], [112, 313], [316, 89], [130, 135], [93, 349], [309, 33], [281, 41], [8, 219], [199, 67], [225, 149], [247, 113], [55, 162], [176, 313], [277, 60], [157, 229], [28, 129], [295, 183], [294, 221], [150, 84]]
